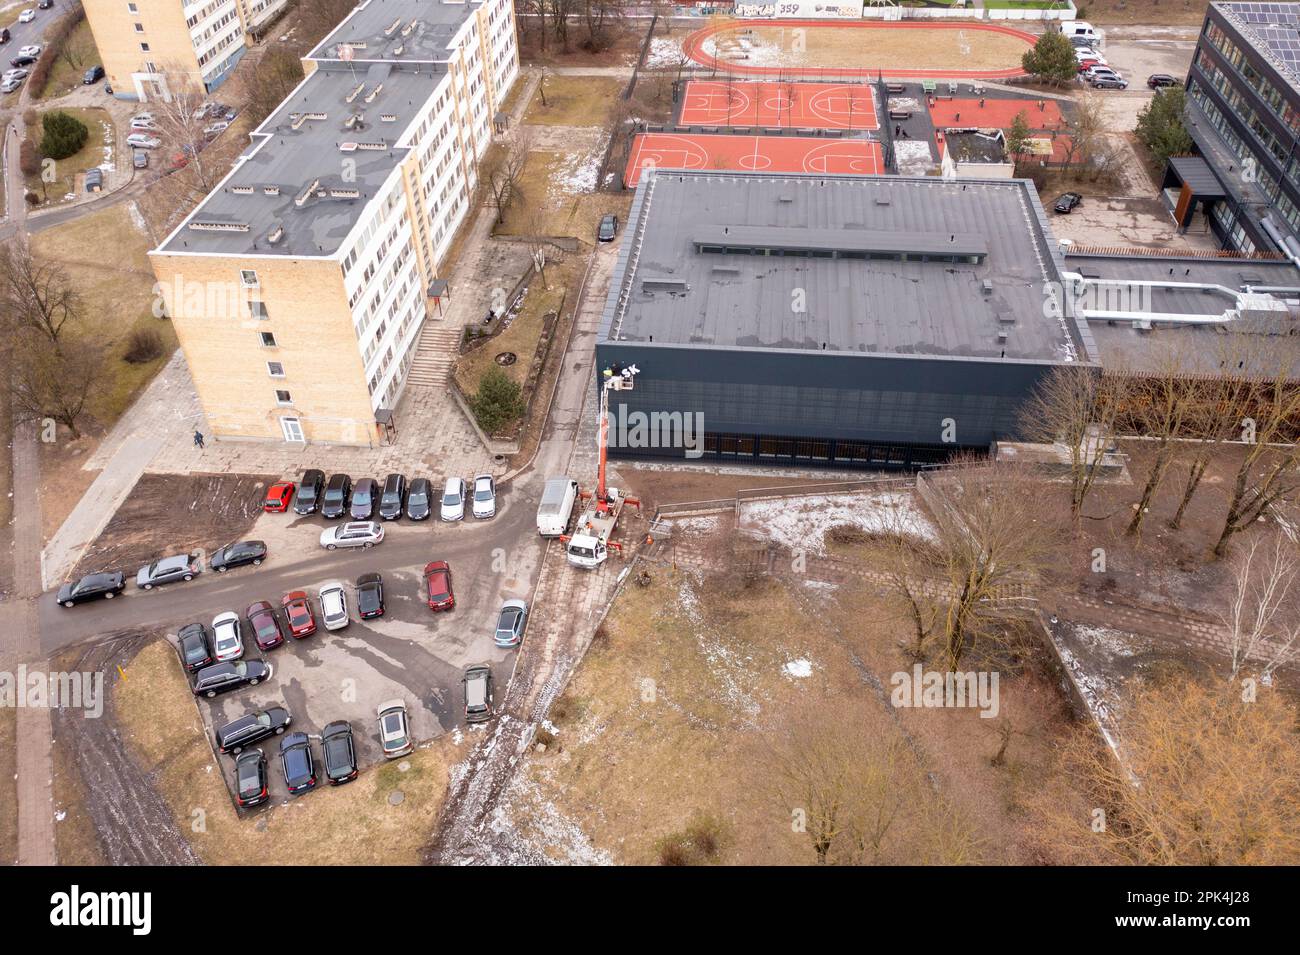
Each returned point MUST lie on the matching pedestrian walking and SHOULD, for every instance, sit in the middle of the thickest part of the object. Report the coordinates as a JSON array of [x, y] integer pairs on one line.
[[198, 439]]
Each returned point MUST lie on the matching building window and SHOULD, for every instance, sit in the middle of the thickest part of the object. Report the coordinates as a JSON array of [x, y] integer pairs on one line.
[[144, 47], [282, 397], [139, 28], [132, 8], [268, 340], [248, 277], [258, 311], [275, 369]]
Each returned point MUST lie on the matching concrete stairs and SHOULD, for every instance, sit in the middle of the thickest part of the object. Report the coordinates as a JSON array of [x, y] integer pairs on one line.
[[435, 353]]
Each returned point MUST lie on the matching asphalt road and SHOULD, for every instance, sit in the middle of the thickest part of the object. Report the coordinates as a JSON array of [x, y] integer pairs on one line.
[[510, 539], [25, 34]]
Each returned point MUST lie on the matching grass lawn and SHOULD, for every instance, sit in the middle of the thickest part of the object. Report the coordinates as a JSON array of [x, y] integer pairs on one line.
[[344, 825], [64, 76], [118, 294], [97, 151], [574, 101], [562, 186]]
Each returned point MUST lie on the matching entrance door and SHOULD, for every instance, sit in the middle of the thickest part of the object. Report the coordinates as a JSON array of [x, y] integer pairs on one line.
[[292, 429]]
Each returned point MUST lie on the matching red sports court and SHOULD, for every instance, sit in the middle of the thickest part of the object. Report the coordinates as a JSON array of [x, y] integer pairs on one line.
[[753, 154], [777, 104], [996, 113]]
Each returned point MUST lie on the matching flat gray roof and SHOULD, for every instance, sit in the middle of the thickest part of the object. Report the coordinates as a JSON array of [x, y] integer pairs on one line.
[[868, 264], [398, 30], [294, 148]]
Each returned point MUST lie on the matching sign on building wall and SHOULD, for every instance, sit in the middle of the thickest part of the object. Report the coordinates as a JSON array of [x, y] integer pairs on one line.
[[801, 10]]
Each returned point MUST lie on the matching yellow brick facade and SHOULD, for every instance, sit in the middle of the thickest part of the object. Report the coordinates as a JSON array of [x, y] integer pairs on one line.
[[164, 30]]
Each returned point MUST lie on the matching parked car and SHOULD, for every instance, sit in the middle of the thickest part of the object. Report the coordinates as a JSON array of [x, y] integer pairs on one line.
[[250, 779], [266, 629], [1066, 203], [309, 492], [178, 161], [485, 496], [340, 754], [297, 610], [140, 124], [334, 606], [607, 229], [213, 129], [278, 497], [45, 4], [1109, 83], [11, 83], [139, 159], [352, 534], [297, 763], [222, 677], [94, 179], [241, 733], [478, 693], [227, 638], [437, 582], [195, 650], [394, 729], [363, 499], [168, 570], [92, 76], [143, 141], [393, 497], [27, 16], [17, 72], [417, 499], [338, 493], [237, 555], [143, 116], [370, 596], [92, 587], [33, 49], [1157, 80], [453, 499], [510, 623], [22, 60], [4, 35]]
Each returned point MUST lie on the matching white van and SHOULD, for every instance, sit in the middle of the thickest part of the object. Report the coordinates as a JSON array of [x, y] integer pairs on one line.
[[1080, 28], [556, 506]]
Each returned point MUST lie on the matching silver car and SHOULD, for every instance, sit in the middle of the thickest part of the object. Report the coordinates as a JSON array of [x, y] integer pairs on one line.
[[510, 623], [394, 729], [168, 570], [485, 496], [453, 499], [334, 606], [352, 534], [227, 641]]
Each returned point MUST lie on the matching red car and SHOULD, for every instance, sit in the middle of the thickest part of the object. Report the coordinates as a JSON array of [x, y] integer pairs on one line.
[[261, 617], [297, 608], [278, 497], [437, 577]]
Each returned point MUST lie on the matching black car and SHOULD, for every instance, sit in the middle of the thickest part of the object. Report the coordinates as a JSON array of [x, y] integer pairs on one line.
[[45, 4], [221, 677], [237, 555], [250, 779], [364, 493], [338, 493], [195, 647], [1066, 203], [22, 61], [1157, 80], [251, 728], [295, 759], [92, 587], [417, 499], [309, 491], [340, 756], [370, 596], [607, 229], [93, 76], [394, 496], [4, 34]]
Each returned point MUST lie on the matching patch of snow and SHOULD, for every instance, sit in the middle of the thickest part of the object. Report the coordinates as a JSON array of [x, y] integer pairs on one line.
[[664, 51], [578, 173], [798, 669], [801, 523]]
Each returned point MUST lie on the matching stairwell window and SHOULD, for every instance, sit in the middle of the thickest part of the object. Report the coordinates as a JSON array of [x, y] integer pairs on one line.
[[248, 277], [268, 339], [258, 311], [282, 397], [275, 369]]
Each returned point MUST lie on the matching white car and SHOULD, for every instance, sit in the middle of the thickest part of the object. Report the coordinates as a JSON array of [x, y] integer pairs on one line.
[[143, 141], [352, 534], [145, 117], [27, 16], [140, 122], [334, 606], [218, 127], [33, 50], [17, 73], [227, 642], [485, 496], [10, 83], [394, 729], [453, 499]]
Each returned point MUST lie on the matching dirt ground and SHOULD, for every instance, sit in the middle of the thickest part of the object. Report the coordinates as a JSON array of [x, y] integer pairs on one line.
[[159, 799], [8, 787], [187, 511], [831, 47], [1156, 12], [655, 487], [574, 101], [624, 43]]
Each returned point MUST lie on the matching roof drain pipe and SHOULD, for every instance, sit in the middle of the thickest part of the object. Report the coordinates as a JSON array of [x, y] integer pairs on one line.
[[1288, 244]]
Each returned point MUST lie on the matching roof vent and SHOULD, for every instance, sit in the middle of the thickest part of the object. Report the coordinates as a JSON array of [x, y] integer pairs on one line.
[[275, 235], [306, 194], [370, 97], [672, 286], [388, 117], [345, 193], [393, 27], [271, 190], [241, 190], [986, 287], [882, 200], [347, 147], [785, 198], [355, 93], [202, 225]]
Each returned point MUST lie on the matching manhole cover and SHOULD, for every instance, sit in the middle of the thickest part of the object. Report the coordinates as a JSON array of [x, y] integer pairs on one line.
[[404, 765], [395, 797], [507, 358]]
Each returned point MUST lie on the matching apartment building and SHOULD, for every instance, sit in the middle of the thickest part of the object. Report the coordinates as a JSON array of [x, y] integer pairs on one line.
[[1243, 113], [147, 45], [299, 286]]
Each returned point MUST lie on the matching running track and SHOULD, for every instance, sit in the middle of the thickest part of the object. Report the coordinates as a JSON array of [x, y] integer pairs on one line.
[[752, 153], [773, 104], [693, 47]]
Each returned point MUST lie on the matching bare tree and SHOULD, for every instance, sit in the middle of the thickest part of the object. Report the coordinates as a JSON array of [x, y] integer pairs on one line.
[[1263, 614], [34, 294], [504, 169], [1075, 407], [181, 120], [54, 379], [278, 72], [318, 18]]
